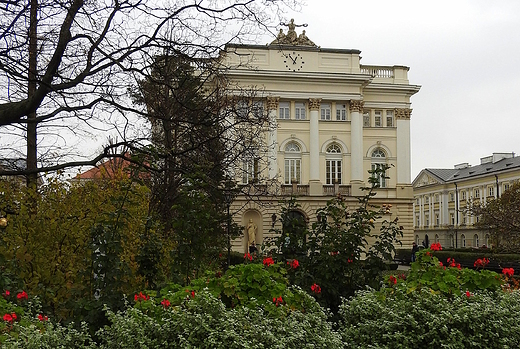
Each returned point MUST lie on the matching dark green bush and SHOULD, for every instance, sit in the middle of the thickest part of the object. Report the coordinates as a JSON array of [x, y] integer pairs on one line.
[[424, 319]]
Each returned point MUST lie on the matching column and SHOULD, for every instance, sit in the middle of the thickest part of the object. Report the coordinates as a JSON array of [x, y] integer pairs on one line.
[[315, 186], [404, 163], [272, 137], [356, 146]]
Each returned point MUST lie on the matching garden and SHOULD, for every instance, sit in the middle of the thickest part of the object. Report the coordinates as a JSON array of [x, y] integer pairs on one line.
[[90, 269]]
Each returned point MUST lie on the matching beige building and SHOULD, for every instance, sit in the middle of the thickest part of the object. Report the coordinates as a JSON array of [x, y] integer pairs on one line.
[[441, 196], [332, 120]]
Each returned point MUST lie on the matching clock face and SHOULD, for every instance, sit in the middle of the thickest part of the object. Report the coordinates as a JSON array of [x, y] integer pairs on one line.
[[293, 61]]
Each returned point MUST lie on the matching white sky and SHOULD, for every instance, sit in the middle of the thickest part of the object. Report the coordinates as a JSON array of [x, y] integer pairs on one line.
[[464, 53]]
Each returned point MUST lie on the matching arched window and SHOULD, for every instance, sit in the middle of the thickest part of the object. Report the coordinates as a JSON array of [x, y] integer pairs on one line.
[[487, 240], [292, 163], [452, 241], [463, 240], [333, 164], [475, 240], [378, 164]]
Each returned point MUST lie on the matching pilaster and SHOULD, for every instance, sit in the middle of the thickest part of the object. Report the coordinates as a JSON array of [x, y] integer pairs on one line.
[[356, 155], [272, 138]]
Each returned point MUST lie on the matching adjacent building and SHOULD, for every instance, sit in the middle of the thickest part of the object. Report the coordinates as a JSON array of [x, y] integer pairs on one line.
[[332, 119], [441, 196]]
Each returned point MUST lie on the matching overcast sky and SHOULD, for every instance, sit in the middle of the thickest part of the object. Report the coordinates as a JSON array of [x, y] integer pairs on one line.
[[464, 54]]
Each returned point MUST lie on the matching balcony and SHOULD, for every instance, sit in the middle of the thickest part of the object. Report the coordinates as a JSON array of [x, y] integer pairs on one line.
[[395, 74]]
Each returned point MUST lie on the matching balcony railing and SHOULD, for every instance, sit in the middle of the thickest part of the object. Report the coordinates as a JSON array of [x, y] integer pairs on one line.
[[331, 190], [295, 189], [378, 72]]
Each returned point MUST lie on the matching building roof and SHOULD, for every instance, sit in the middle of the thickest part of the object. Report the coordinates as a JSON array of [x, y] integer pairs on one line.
[[485, 168], [111, 168]]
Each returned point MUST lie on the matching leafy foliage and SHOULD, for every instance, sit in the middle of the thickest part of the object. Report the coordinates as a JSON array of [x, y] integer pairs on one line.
[[501, 217], [340, 253], [424, 319]]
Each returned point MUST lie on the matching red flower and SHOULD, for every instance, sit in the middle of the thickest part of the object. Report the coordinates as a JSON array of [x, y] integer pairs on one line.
[[294, 264], [141, 297], [8, 318], [268, 261], [402, 276], [192, 294], [316, 288], [428, 253], [6, 293], [248, 256], [22, 295], [508, 272], [440, 264], [392, 280], [334, 253], [277, 301], [349, 260], [436, 247], [42, 318], [468, 294], [165, 303]]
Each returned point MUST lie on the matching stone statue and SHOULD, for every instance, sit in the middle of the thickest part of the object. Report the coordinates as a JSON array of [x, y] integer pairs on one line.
[[251, 233], [304, 40], [291, 38]]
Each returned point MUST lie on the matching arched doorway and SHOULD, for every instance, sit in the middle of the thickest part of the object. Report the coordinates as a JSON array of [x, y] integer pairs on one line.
[[253, 230]]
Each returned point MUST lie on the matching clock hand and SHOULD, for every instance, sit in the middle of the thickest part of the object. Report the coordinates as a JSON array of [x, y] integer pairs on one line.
[[292, 59]]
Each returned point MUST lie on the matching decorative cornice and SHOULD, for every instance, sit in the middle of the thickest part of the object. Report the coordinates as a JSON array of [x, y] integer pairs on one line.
[[314, 103], [403, 113], [356, 106], [272, 103]]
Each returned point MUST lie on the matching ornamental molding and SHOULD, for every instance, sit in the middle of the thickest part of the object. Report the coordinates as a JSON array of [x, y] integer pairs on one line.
[[314, 103], [356, 106]]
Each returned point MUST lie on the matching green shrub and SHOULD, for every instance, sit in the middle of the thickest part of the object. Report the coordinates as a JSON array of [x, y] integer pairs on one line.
[[427, 320], [204, 322]]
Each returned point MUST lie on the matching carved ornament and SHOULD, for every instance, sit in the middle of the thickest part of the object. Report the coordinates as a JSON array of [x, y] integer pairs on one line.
[[272, 103], [403, 113], [356, 106], [314, 103]]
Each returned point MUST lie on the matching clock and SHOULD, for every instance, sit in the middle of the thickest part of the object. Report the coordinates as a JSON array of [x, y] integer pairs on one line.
[[293, 61]]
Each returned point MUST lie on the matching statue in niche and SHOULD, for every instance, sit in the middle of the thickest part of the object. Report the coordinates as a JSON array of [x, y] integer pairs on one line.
[[251, 229]]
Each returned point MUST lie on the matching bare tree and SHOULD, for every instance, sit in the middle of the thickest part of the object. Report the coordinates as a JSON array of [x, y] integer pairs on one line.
[[66, 67]]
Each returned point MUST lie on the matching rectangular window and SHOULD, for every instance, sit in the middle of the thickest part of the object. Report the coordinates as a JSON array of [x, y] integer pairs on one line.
[[389, 118], [341, 112], [300, 111], [506, 186], [491, 191], [258, 109], [463, 194], [378, 118], [427, 220], [292, 170], [452, 196], [452, 219], [436, 198], [284, 110], [381, 177], [426, 199], [250, 171], [417, 221], [436, 220], [325, 111], [477, 193], [333, 171], [366, 119]]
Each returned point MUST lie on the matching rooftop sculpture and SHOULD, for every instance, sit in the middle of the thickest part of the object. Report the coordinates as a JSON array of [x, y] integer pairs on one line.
[[291, 38]]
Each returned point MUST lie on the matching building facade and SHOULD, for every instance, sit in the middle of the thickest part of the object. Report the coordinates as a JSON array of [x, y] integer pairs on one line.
[[442, 195], [332, 120]]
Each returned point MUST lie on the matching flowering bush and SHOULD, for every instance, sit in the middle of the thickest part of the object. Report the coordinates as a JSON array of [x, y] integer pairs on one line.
[[451, 279], [422, 319]]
